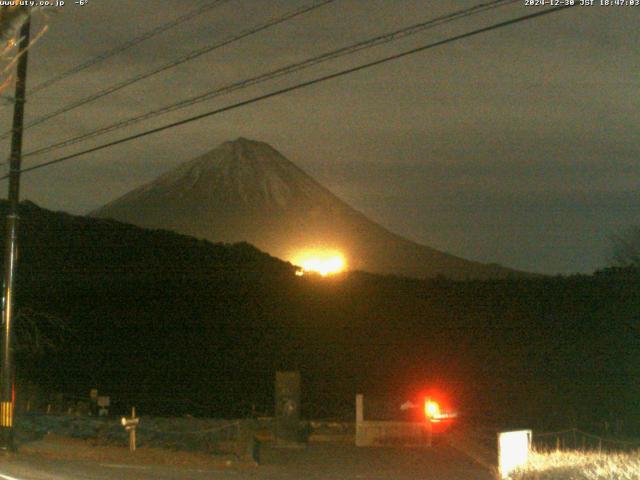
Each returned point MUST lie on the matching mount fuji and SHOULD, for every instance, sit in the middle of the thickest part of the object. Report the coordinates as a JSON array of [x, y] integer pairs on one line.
[[245, 190]]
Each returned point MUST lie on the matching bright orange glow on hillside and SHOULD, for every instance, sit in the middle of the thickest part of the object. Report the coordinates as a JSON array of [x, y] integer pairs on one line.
[[324, 262]]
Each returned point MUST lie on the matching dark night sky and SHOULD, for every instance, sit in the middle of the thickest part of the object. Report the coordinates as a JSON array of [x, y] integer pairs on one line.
[[519, 146]]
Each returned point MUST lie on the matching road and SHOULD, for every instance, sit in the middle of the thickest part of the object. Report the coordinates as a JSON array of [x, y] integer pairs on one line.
[[321, 461]]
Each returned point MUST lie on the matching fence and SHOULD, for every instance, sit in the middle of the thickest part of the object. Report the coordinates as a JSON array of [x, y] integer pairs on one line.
[[189, 434], [576, 439], [480, 443], [374, 432]]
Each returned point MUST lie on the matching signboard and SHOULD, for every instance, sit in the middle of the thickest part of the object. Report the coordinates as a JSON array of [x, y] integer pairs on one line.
[[513, 450], [287, 408], [103, 403]]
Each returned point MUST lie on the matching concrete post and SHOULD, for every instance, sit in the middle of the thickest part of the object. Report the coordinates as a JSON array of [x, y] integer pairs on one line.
[[359, 408]]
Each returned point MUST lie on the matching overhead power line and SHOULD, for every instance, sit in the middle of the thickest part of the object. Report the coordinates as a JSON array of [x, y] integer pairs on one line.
[[126, 46], [185, 58], [273, 74], [299, 86]]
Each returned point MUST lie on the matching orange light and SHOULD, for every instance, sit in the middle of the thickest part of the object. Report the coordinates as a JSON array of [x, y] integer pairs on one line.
[[432, 409], [324, 262]]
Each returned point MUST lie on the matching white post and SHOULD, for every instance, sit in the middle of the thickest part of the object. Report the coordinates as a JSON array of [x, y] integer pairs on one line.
[[132, 431], [359, 408], [360, 441], [129, 425]]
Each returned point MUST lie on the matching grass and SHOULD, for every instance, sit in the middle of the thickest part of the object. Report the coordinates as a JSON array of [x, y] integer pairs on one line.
[[577, 465], [72, 449]]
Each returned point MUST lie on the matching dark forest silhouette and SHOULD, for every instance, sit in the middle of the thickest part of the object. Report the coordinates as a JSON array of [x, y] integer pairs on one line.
[[176, 325]]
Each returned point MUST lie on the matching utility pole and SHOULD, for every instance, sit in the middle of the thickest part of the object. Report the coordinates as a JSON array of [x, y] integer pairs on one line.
[[11, 246]]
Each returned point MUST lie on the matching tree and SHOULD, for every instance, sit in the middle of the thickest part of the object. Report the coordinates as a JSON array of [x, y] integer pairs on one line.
[[625, 251], [39, 333]]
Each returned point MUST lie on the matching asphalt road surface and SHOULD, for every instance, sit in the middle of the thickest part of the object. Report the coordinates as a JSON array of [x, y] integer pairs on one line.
[[320, 461]]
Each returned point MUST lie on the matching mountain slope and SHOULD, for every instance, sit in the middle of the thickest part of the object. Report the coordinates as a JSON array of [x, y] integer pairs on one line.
[[247, 191], [174, 325]]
